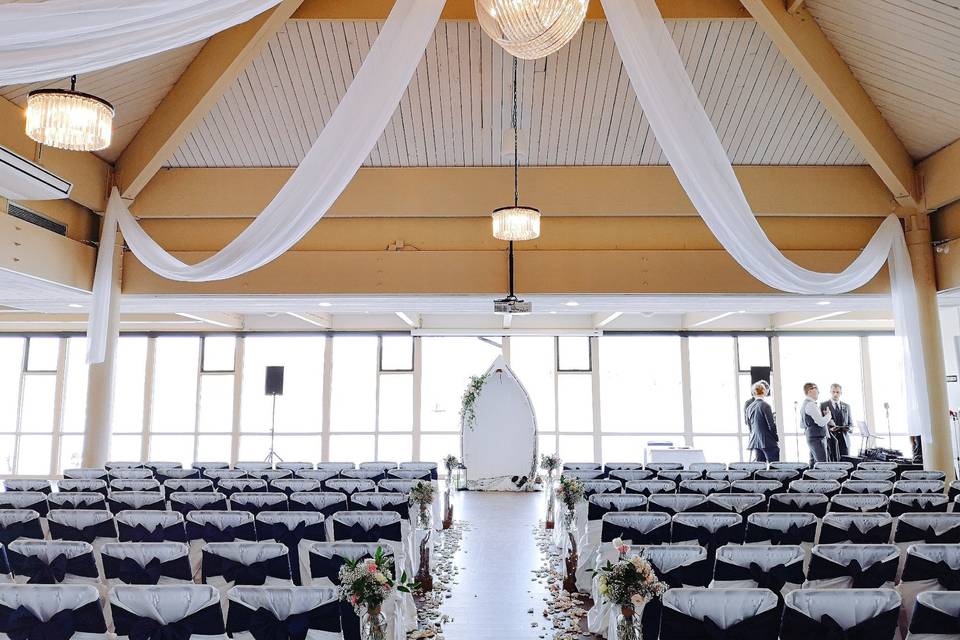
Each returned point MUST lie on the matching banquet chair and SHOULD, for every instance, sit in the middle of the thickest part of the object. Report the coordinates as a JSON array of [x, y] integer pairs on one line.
[[52, 562], [824, 474], [852, 566], [227, 564], [582, 466], [19, 523], [676, 565], [657, 467], [918, 486], [901, 503], [198, 501], [815, 503], [591, 487], [928, 528], [936, 616], [775, 567], [350, 485], [826, 487], [877, 466], [765, 487], [650, 487], [379, 465], [882, 487], [326, 559], [188, 611], [269, 475], [297, 530], [703, 487], [366, 526], [86, 474], [77, 500], [394, 485], [257, 501], [151, 526], [291, 486], [798, 467], [83, 486], [629, 475], [608, 467], [598, 505], [156, 465], [294, 466], [676, 503], [742, 503], [583, 474], [283, 612], [858, 503], [827, 613], [923, 474], [186, 485], [409, 474], [855, 528], [136, 500], [601, 503], [846, 467], [26, 484], [204, 465], [704, 467], [219, 475], [204, 527], [252, 465], [319, 475], [720, 613], [636, 528], [781, 528], [372, 501], [954, 490], [861, 474], [146, 563], [928, 567], [95, 527], [421, 466], [130, 473], [325, 502], [33, 500], [727, 475], [677, 475], [172, 473], [230, 486], [337, 467], [51, 611], [750, 466], [146, 484], [709, 530]]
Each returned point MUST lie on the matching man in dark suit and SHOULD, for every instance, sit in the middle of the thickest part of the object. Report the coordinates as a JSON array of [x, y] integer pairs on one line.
[[763, 427], [838, 440]]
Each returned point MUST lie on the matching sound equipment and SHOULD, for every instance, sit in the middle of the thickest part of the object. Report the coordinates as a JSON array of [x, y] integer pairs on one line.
[[274, 381], [759, 373]]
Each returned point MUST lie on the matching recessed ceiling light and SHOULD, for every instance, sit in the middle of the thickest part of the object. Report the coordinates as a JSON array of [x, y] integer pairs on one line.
[[324, 304], [823, 303], [571, 303], [74, 305]]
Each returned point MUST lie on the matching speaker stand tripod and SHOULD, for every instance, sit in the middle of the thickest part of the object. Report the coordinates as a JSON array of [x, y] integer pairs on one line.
[[272, 456]]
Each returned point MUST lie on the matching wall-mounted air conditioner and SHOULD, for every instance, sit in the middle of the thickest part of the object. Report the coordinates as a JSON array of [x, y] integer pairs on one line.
[[21, 179]]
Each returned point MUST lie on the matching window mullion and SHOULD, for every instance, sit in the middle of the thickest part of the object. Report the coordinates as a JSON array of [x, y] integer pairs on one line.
[[238, 356], [149, 384], [685, 390], [58, 401]]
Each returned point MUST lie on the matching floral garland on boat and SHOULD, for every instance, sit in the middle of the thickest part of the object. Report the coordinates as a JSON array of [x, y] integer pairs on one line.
[[468, 414]]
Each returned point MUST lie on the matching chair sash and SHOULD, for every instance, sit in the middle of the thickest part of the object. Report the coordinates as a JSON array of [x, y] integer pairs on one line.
[[136, 501], [886, 476], [793, 529], [259, 501], [208, 621], [766, 487], [359, 532], [82, 486], [77, 501], [135, 485], [869, 576], [602, 503], [650, 487], [245, 573], [26, 484], [205, 465], [621, 466], [797, 626], [23, 624], [391, 485], [677, 625], [742, 503], [703, 487], [38, 570], [884, 487], [86, 474], [269, 475], [815, 503], [773, 577], [729, 475], [709, 530], [408, 474], [85, 526], [824, 474], [828, 488], [197, 501], [918, 486], [929, 619], [901, 503], [591, 487], [362, 501], [128, 571], [677, 475], [163, 475], [638, 528], [294, 466], [143, 532], [291, 486], [933, 528], [678, 503], [291, 529], [187, 485], [220, 526], [630, 475], [19, 523], [265, 624], [130, 473], [657, 467], [350, 485], [326, 502], [859, 503], [868, 528], [230, 486], [917, 568], [33, 500]]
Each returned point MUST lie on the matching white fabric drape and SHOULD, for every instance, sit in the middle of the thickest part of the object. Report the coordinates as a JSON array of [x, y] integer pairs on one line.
[[325, 171], [693, 148], [60, 38]]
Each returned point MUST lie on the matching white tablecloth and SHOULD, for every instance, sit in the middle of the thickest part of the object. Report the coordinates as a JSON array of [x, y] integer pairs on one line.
[[668, 454]]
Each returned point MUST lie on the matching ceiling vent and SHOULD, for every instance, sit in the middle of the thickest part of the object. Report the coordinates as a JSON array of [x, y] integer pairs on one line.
[[36, 219]]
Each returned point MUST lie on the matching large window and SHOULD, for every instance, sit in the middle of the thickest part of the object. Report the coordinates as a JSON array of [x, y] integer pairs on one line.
[[714, 399], [889, 393]]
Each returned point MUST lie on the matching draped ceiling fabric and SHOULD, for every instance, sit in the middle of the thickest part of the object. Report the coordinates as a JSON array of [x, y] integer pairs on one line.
[[693, 148], [60, 38]]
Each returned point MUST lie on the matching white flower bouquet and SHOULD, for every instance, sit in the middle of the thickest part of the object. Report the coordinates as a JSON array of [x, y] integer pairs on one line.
[[367, 582], [629, 582]]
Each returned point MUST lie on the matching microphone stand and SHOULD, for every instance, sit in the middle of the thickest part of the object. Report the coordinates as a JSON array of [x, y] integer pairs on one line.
[[272, 456]]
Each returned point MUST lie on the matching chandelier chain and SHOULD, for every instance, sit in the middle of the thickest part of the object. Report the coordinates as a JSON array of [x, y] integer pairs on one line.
[[516, 155]]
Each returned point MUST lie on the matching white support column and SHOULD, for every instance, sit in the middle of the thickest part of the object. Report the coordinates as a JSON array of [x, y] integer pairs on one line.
[[867, 377], [417, 401], [777, 389], [149, 375], [238, 354], [326, 395], [100, 379], [58, 403], [595, 385], [687, 397]]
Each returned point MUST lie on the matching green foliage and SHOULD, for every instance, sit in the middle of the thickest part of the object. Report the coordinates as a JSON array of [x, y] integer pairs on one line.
[[468, 415]]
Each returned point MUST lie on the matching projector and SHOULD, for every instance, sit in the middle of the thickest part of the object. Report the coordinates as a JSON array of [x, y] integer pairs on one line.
[[511, 305]]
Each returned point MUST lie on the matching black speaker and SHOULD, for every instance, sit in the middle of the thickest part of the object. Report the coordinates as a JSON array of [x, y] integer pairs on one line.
[[759, 373], [274, 381]]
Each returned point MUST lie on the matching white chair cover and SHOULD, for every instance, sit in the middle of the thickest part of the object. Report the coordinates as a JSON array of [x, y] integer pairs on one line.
[[877, 466], [47, 552], [312, 529], [283, 602], [583, 474], [351, 485], [863, 474], [730, 475], [792, 466], [258, 501], [724, 607], [781, 567], [270, 474], [173, 473], [45, 601], [95, 527], [229, 486], [856, 528], [246, 554], [335, 466], [252, 465], [867, 486], [78, 500], [834, 466], [815, 503], [901, 503], [295, 485], [147, 484], [168, 524], [582, 466], [85, 474], [364, 474], [27, 484], [664, 466], [34, 500], [396, 485], [591, 487], [825, 474], [373, 501], [918, 486], [178, 485], [154, 465], [19, 523], [294, 466], [82, 486], [124, 500], [320, 475], [402, 474], [923, 474], [630, 475], [373, 523], [169, 604], [198, 500], [240, 525], [723, 528], [378, 465], [224, 474], [843, 555], [927, 567], [205, 464], [131, 473], [847, 608], [636, 527], [707, 466], [748, 466], [598, 505], [622, 466], [703, 487], [826, 487], [925, 618], [649, 487], [737, 502], [326, 502], [169, 554], [675, 503], [782, 528], [930, 528], [862, 502], [678, 475], [766, 487]]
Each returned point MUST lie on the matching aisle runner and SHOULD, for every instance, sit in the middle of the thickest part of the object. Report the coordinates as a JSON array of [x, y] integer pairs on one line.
[[563, 616], [446, 574]]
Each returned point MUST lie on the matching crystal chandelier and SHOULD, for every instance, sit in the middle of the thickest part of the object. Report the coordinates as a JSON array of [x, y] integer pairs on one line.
[[69, 119], [531, 29], [516, 222]]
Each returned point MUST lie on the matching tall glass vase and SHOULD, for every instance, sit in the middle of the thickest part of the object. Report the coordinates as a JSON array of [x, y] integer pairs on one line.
[[424, 577], [447, 504], [551, 502], [570, 576], [628, 624], [373, 625]]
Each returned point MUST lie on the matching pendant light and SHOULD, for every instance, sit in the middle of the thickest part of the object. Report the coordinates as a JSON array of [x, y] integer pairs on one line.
[[68, 119], [531, 29]]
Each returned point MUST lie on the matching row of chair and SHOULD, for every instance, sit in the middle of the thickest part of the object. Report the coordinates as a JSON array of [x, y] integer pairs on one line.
[[118, 469], [735, 466]]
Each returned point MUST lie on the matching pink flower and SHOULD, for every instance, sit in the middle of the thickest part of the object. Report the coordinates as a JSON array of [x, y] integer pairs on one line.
[[354, 599]]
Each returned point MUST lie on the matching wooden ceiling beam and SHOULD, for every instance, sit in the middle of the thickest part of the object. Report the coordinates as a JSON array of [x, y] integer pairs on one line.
[[803, 43], [464, 10], [940, 177], [202, 84]]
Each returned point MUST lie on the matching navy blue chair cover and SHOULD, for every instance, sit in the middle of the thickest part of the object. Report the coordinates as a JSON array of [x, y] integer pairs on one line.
[[103, 527], [871, 577], [129, 571], [21, 624], [206, 622], [797, 626], [254, 573], [19, 523], [263, 624], [38, 571], [281, 531]]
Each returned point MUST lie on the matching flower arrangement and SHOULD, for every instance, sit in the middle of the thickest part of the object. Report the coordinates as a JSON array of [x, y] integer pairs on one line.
[[367, 582], [451, 462], [421, 495], [629, 582], [570, 492], [468, 415], [550, 463]]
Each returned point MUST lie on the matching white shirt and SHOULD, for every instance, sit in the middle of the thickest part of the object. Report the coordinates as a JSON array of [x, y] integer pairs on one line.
[[811, 409]]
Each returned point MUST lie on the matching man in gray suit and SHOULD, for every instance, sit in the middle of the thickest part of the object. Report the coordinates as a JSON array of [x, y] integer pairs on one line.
[[838, 440], [814, 423], [763, 427]]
